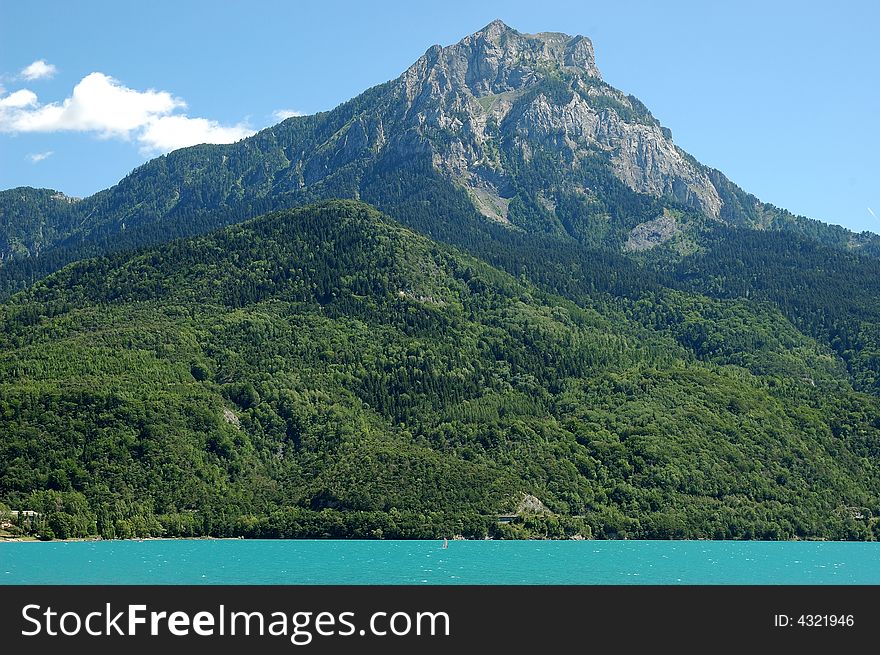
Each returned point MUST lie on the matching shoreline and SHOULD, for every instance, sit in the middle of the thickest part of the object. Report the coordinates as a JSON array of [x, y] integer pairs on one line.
[[96, 539], [592, 541]]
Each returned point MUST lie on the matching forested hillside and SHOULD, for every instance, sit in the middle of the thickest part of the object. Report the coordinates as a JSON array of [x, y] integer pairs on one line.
[[328, 372]]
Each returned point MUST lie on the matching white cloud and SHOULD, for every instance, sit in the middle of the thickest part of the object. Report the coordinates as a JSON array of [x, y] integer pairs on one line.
[[171, 132], [38, 70], [871, 212], [17, 100], [37, 157], [98, 104], [281, 114], [102, 105]]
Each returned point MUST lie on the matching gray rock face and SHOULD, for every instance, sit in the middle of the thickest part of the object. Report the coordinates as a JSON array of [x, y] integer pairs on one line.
[[498, 59], [530, 505], [489, 92], [652, 233]]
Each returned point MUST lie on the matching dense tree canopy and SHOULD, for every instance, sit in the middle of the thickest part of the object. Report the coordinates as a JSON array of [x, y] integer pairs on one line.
[[328, 372]]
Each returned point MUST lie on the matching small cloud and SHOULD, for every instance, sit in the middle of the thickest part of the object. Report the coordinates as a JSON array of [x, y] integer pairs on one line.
[[871, 212], [172, 132], [18, 100], [37, 157], [38, 70], [282, 114]]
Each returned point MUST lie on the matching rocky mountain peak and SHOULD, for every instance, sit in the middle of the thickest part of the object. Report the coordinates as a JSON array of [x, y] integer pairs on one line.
[[500, 89], [549, 49], [498, 59], [496, 28]]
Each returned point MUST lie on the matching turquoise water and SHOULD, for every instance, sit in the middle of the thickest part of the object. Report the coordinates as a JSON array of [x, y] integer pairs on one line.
[[425, 562]]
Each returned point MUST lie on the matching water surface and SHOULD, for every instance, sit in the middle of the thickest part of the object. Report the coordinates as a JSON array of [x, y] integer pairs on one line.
[[425, 562]]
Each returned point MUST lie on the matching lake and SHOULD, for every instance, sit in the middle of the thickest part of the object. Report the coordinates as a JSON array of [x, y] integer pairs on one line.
[[426, 562]]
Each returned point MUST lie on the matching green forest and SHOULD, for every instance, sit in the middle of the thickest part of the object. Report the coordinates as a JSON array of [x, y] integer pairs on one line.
[[328, 372]]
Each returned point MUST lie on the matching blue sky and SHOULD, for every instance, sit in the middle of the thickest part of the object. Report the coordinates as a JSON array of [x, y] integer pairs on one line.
[[781, 96]]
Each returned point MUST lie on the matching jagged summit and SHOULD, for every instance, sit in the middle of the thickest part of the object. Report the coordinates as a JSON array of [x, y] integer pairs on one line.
[[498, 59], [499, 98], [551, 47], [497, 27]]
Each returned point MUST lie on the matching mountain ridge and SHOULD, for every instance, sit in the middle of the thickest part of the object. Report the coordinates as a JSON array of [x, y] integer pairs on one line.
[[484, 113]]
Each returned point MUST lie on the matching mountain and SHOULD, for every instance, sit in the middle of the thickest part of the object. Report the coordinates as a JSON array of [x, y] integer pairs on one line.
[[543, 298], [516, 129], [328, 372]]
